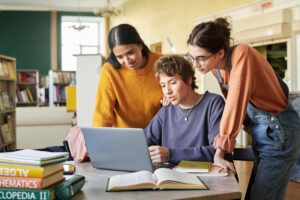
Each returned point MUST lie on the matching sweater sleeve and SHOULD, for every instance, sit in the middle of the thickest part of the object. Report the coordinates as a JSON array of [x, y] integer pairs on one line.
[[236, 102], [105, 100], [203, 153], [153, 131]]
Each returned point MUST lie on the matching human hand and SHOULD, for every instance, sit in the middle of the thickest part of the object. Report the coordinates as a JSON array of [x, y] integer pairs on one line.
[[159, 154], [221, 162], [164, 101]]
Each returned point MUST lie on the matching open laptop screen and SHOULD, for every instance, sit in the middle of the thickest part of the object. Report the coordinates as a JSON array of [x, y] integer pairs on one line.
[[117, 148]]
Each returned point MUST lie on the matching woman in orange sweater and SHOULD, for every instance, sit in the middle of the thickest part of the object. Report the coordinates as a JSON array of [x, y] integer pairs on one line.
[[251, 89], [128, 94]]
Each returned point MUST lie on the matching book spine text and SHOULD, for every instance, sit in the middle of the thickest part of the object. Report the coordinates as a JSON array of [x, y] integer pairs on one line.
[[20, 182], [21, 171]]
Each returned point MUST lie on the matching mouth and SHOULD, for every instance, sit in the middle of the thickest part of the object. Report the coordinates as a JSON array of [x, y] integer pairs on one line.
[[131, 65], [171, 99]]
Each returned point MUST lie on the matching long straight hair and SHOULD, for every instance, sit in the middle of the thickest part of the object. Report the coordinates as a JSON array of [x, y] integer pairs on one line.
[[124, 34]]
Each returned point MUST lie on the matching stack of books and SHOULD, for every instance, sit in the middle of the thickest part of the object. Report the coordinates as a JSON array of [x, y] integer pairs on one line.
[[30, 174]]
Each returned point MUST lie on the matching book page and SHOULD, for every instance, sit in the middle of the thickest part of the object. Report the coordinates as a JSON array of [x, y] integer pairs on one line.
[[131, 179], [164, 174]]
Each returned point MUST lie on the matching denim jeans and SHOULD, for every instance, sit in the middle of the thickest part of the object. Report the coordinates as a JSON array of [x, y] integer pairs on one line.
[[275, 143]]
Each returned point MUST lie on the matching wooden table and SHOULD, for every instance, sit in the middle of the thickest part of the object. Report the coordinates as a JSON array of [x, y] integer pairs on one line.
[[219, 187]]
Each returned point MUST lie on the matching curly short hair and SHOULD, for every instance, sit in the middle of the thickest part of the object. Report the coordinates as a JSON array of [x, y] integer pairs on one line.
[[175, 64]]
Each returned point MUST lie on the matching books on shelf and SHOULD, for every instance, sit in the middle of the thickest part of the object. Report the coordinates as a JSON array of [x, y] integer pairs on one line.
[[31, 182], [6, 134], [30, 157], [64, 77], [27, 77], [44, 194], [161, 179], [6, 69], [6, 102], [200, 168], [11, 71]]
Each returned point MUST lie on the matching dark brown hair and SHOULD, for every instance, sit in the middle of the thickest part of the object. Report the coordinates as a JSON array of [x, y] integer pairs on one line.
[[175, 64], [212, 36], [124, 34]]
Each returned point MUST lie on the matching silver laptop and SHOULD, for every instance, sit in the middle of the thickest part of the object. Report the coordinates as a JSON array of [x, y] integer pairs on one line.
[[123, 149]]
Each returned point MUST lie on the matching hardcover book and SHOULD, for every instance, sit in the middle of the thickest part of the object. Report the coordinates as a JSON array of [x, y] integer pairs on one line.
[[12, 73], [18, 194], [29, 182], [5, 69], [161, 179], [6, 134], [200, 168], [29, 171], [30, 157], [193, 166], [1, 69]]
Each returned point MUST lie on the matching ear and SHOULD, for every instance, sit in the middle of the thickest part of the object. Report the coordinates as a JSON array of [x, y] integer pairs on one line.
[[190, 81], [141, 46], [220, 54]]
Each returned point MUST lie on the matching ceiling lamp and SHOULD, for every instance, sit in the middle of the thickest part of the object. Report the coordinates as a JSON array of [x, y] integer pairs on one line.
[[108, 11], [78, 27]]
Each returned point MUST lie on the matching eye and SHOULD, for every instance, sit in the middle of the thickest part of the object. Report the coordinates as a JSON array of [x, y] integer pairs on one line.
[[119, 57], [130, 52], [173, 82]]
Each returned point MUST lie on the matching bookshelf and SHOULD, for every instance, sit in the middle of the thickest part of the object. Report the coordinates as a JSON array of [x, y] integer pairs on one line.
[[7, 103], [58, 80], [27, 88]]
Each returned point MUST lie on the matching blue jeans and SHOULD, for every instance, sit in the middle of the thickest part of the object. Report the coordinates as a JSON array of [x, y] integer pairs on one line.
[[275, 143]]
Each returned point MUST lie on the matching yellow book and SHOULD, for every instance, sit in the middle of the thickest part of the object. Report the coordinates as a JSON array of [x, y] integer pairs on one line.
[[12, 73], [161, 179], [71, 98], [193, 166], [29, 171]]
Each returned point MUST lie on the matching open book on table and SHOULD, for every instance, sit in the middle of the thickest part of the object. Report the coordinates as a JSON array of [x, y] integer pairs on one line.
[[200, 168], [161, 179]]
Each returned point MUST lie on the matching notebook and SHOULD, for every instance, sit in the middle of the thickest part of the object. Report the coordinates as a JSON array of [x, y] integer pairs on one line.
[[122, 149]]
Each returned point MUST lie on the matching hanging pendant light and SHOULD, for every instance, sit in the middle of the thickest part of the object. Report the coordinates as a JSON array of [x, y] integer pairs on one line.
[[108, 11], [79, 27]]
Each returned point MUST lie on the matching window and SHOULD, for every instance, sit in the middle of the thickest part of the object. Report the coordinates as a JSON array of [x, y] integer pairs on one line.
[[90, 40]]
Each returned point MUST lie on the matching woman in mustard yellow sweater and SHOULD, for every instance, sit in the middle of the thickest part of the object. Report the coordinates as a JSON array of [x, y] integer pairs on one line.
[[128, 94]]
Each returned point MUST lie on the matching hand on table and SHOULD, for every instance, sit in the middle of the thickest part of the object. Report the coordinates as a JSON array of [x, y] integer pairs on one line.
[[221, 162]]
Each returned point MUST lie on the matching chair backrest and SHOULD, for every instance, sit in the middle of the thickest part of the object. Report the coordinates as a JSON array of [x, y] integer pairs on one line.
[[245, 154]]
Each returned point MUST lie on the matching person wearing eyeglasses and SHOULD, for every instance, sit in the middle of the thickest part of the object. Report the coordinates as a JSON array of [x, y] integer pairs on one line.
[[253, 91], [186, 129]]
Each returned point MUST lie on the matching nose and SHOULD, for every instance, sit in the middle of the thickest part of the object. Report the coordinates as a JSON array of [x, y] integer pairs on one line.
[[168, 90], [195, 63], [126, 60]]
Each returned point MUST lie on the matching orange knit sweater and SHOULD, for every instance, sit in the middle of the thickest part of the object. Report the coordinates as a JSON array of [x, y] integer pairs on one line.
[[126, 97]]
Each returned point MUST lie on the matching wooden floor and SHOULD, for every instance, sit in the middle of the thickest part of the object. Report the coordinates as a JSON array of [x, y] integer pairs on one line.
[[244, 170]]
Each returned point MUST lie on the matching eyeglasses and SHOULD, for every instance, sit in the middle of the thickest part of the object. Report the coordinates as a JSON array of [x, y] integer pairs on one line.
[[199, 60]]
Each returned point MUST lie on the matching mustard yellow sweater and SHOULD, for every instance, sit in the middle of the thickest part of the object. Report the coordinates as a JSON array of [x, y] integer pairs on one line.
[[126, 97]]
